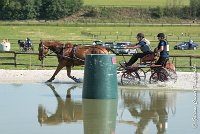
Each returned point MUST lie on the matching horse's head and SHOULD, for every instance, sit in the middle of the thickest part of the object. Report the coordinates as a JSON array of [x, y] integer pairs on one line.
[[42, 115], [43, 50]]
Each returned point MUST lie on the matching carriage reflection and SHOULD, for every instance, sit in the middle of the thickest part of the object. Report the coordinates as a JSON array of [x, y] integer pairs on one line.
[[148, 106], [67, 110]]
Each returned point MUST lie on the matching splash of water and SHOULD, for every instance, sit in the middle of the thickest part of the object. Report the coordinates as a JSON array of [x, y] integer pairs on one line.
[[195, 77], [195, 100]]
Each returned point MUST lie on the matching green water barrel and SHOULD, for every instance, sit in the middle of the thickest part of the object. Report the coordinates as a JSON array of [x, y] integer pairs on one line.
[[100, 77], [99, 116], [1, 47]]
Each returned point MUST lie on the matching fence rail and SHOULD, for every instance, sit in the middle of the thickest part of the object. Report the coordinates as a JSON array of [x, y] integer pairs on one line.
[[13, 59]]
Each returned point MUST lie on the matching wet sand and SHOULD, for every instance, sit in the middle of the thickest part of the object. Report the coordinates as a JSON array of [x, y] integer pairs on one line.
[[186, 80]]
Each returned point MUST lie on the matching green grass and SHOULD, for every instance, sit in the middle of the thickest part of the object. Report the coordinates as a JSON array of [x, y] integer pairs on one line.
[[73, 34], [139, 3]]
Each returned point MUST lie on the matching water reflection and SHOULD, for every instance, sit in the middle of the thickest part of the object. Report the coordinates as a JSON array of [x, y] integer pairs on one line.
[[149, 106], [67, 110], [98, 115]]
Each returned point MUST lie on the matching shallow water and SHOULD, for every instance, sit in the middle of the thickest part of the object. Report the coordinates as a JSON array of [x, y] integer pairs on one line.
[[40, 108]]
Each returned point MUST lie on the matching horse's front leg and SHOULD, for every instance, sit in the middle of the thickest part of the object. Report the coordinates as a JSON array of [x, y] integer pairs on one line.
[[72, 77], [59, 67]]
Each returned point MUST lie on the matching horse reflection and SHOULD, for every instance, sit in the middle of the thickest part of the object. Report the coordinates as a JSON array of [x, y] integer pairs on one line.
[[67, 110], [156, 109]]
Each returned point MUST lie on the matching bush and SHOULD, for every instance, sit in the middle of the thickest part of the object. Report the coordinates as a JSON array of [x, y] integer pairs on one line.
[[156, 12], [90, 11]]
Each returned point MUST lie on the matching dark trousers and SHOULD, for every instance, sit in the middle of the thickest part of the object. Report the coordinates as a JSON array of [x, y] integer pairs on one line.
[[162, 61], [135, 57]]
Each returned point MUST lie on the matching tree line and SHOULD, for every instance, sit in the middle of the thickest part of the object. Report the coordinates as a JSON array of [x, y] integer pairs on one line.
[[38, 9], [57, 9], [174, 10]]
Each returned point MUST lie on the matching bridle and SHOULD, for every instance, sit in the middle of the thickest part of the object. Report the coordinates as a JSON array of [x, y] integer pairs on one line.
[[41, 49]]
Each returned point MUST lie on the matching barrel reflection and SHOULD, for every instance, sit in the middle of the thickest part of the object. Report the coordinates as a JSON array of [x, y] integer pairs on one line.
[[99, 116]]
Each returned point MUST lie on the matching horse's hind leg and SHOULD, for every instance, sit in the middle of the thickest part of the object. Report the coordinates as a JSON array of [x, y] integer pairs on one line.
[[59, 67], [69, 75]]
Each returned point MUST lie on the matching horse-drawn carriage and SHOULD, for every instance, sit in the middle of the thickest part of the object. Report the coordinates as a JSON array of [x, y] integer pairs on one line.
[[134, 74], [70, 55], [25, 45]]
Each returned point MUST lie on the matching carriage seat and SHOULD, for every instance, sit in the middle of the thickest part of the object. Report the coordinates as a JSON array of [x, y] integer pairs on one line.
[[149, 58]]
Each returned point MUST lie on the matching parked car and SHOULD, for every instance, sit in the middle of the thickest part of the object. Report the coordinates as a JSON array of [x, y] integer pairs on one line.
[[186, 46], [121, 48], [109, 44], [105, 44], [98, 42]]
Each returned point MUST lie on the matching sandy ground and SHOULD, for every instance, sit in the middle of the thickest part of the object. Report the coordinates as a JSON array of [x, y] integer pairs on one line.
[[35, 76], [185, 79]]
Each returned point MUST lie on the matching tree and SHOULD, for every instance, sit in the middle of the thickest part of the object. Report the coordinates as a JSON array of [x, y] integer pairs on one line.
[[195, 8], [18, 9], [55, 9], [10, 9], [43, 9], [73, 5], [28, 9]]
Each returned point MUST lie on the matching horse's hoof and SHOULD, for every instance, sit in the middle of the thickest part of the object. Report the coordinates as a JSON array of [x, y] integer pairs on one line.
[[78, 81], [48, 81]]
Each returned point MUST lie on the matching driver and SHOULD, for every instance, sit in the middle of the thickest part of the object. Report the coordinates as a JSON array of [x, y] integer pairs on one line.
[[144, 46], [28, 42]]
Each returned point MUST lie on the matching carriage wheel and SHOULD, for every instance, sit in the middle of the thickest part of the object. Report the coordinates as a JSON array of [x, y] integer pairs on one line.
[[142, 74], [172, 74], [157, 76], [129, 78]]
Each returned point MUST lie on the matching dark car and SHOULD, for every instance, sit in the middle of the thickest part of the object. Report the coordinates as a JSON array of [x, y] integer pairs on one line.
[[186, 46], [121, 48]]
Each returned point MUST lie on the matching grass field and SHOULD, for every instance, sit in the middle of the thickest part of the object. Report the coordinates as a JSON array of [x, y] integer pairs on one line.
[[139, 3], [73, 34]]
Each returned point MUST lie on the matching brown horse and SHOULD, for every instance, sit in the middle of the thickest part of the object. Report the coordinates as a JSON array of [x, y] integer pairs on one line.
[[69, 55]]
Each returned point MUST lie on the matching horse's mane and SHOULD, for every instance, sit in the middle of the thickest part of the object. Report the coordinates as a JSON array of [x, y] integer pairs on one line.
[[52, 43], [69, 45]]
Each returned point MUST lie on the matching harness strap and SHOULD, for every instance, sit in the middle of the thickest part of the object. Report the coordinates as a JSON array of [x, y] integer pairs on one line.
[[73, 57]]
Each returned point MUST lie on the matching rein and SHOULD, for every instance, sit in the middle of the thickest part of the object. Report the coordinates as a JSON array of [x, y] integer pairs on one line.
[[60, 53], [72, 53]]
